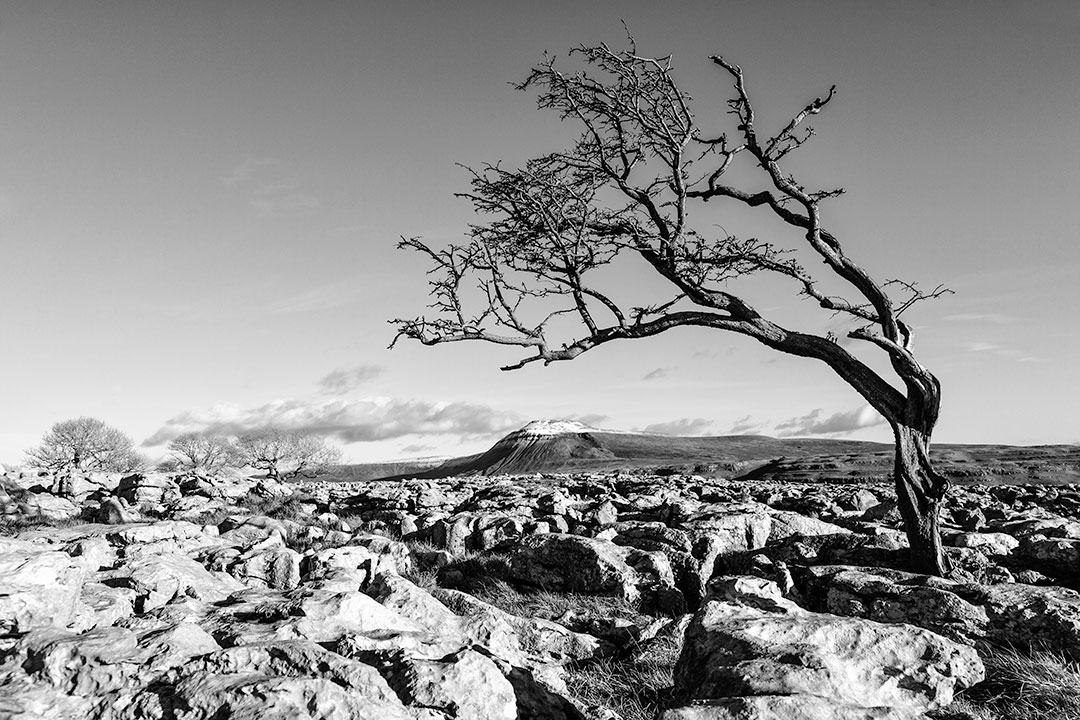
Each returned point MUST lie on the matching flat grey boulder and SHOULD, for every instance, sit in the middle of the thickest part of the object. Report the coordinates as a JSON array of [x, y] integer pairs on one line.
[[1058, 557], [465, 684], [715, 531], [158, 579], [40, 588], [49, 507], [148, 489], [267, 564], [990, 543], [23, 699], [354, 558], [323, 611], [536, 640], [560, 562], [162, 537], [1007, 612], [111, 659], [102, 605], [738, 527], [272, 681], [893, 596], [747, 642]]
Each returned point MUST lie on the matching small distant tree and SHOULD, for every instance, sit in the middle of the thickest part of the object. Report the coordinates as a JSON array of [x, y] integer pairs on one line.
[[204, 453], [536, 272], [85, 444], [285, 455]]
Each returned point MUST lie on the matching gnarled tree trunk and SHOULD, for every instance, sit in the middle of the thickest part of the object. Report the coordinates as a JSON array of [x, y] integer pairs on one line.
[[559, 218], [920, 493]]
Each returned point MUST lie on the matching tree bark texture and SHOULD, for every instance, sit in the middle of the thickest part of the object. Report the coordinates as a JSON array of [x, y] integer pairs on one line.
[[920, 493]]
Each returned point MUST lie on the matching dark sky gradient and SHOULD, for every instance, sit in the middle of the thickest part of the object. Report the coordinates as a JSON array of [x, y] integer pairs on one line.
[[199, 203]]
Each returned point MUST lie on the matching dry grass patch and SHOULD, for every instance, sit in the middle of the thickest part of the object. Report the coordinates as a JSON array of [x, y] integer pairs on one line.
[[1023, 685], [426, 562], [485, 576], [551, 605], [636, 686], [11, 525]]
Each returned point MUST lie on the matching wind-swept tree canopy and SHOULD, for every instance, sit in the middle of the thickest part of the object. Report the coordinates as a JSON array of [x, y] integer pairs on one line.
[[198, 452], [286, 455], [85, 444], [535, 273]]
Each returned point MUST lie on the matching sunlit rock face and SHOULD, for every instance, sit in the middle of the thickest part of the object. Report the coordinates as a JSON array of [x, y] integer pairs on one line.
[[747, 642]]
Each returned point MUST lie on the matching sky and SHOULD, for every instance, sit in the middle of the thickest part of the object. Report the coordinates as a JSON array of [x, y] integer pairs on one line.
[[199, 205]]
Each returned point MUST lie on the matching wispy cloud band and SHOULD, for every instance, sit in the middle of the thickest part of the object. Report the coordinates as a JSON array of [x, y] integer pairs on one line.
[[841, 423], [680, 427], [348, 421]]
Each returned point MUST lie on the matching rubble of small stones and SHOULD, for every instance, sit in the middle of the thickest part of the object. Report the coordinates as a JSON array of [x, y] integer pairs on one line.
[[157, 596]]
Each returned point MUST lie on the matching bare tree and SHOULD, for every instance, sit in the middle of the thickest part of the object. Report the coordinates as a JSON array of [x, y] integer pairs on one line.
[[626, 191], [85, 444], [205, 453], [286, 455]]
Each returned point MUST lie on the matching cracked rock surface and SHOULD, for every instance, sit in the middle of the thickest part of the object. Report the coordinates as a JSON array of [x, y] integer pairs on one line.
[[182, 597]]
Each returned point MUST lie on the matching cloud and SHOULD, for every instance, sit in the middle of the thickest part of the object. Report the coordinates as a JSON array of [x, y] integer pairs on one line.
[[1008, 353], [841, 423], [657, 374], [247, 171], [995, 318], [326, 297], [590, 419], [339, 382], [744, 425], [286, 204], [348, 421], [417, 448], [713, 354], [269, 189], [682, 426], [354, 229]]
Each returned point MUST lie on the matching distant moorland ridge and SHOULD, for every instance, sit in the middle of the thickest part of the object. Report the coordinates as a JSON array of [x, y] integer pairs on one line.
[[570, 447]]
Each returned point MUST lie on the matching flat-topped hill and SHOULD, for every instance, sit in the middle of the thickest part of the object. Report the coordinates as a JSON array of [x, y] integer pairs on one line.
[[567, 446]]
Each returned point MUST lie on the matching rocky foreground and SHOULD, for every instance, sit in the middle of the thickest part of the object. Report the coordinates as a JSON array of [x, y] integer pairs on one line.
[[182, 597]]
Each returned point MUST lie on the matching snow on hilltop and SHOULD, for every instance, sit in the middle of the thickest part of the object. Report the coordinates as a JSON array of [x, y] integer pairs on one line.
[[546, 428], [554, 427]]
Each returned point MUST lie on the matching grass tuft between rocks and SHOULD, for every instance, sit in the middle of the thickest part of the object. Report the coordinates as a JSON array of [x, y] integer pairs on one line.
[[485, 576], [551, 605], [635, 686], [1022, 685], [1019, 685], [11, 525]]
